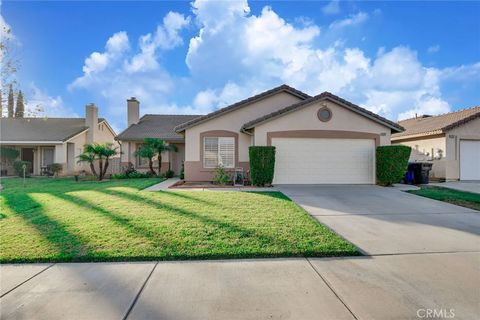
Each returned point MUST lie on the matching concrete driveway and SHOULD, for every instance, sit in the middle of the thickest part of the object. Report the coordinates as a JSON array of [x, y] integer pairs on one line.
[[422, 256], [421, 253]]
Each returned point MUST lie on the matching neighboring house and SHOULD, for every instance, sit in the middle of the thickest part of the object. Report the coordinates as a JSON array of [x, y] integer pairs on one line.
[[450, 141], [152, 126], [320, 139], [43, 141]]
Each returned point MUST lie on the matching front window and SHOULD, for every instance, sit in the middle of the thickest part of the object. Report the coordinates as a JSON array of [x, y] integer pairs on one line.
[[219, 151]]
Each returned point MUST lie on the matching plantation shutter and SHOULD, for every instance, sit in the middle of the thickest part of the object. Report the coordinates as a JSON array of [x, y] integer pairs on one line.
[[219, 151], [226, 152], [210, 152]]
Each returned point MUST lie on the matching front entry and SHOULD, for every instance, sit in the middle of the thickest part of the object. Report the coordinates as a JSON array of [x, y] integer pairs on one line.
[[27, 155]]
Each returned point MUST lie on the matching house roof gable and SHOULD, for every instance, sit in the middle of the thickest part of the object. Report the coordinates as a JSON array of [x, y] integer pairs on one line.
[[324, 96], [241, 104], [431, 125]]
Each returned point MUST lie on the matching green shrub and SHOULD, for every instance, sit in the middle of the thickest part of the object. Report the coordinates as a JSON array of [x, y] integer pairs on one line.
[[262, 165], [392, 163], [221, 176], [9, 154], [131, 175], [18, 166], [55, 168], [169, 174]]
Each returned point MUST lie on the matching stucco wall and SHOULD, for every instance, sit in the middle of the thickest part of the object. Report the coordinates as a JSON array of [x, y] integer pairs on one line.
[[449, 166], [306, 119], [232, 121], [423, 149], [467, 131]]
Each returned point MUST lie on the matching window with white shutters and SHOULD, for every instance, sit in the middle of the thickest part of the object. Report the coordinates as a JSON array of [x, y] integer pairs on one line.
[[219, 151]]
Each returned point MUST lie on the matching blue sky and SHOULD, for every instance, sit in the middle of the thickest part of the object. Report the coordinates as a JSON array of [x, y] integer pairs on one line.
[[394, 58]]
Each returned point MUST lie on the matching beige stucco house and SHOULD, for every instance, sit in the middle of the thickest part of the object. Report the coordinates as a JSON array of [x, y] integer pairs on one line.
[[450, 141], [43, 141], [319, 139]]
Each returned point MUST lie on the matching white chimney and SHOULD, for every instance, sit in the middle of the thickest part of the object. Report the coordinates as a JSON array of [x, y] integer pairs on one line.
[[133, 111], [91, 121]]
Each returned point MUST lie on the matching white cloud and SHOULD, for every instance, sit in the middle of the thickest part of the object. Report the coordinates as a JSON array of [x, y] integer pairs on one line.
[[39, 104], [236, 54], [433, 49], [333, 7], [352, 20], [166, 37]]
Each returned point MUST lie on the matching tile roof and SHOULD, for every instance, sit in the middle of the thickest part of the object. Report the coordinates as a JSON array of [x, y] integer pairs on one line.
[[41, 129], [430, 125], [242, 103], [155, 126], [325, 95]]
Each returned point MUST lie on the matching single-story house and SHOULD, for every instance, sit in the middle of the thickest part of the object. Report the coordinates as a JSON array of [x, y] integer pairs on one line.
[[319, 139], [450, 141], [152, 126], [44, 141]]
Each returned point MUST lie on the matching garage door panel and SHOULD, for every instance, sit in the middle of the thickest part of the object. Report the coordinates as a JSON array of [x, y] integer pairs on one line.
[[317, 161], [469, 160]]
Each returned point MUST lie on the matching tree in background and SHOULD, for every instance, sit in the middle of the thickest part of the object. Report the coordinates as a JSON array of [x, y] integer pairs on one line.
[[147, 152], [20, 109], [8, 67], [11, 102], [160, 146]]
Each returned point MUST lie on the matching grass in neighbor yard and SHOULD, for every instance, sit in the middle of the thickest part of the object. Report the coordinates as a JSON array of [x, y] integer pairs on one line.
[[62, 220], [460, 198]]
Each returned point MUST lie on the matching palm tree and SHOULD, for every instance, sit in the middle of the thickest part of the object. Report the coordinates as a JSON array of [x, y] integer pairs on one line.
[[101, 152], [146, 151], [89, 158], [160, 146]]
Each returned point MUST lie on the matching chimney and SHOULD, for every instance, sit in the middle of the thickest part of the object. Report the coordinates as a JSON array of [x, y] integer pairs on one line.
[[91, 121], [133, 111]]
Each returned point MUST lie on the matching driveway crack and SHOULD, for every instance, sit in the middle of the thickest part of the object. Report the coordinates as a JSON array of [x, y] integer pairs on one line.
[[134, 302], [21, 283], [331, 288]]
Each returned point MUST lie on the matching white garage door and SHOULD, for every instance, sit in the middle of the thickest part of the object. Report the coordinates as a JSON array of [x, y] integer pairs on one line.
[[324, 161], [469, 160]]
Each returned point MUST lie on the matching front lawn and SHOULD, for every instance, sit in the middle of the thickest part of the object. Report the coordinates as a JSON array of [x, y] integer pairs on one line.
[[460, 198], [63, 220]]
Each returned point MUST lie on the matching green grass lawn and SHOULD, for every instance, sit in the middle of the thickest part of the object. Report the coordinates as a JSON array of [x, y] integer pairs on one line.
[[460, 198], [63, 220]]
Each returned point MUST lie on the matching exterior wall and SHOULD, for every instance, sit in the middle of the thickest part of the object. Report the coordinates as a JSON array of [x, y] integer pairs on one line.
[[232, 122], [448, 167], [423, 149], [305, 119], [467, 131]]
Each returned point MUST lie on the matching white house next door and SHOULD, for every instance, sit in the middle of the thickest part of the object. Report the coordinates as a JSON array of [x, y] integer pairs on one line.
[[324, 161], [469, 160]]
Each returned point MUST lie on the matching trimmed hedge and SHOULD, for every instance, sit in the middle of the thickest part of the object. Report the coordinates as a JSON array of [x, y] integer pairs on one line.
[[392, 163], [262, 164]]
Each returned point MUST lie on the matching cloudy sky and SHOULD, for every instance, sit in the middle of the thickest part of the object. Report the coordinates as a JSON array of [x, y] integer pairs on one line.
[[394, 58]]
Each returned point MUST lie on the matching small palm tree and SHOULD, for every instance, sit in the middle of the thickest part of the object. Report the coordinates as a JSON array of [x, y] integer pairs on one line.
[[101, 152], [146, 151], [160, 146], [89, 158]]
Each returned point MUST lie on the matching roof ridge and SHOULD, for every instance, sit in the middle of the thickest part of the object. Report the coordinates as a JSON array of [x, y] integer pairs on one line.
[[319, 97], [240, 103], [441, 114]]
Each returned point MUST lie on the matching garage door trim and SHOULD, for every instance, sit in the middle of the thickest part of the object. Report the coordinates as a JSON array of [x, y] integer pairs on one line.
[[333, 134]]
